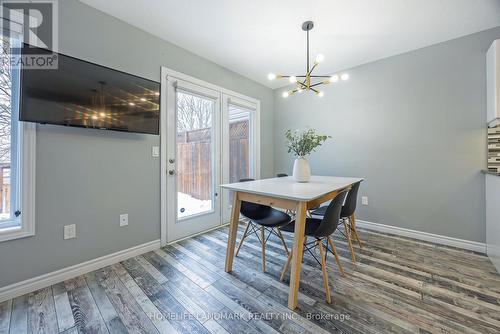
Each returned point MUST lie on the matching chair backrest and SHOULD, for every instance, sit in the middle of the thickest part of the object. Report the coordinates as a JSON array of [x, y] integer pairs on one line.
[[350, 202], [332, 216], [281, 175], [254, 211]]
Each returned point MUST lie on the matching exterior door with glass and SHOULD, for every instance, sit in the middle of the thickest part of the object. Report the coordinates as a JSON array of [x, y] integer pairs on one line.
[[193, 163]]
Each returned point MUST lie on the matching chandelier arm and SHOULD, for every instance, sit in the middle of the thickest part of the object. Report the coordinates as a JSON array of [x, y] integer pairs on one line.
[[312, 69], [318, 84], [302, 84], [314, 90], [320, 76]]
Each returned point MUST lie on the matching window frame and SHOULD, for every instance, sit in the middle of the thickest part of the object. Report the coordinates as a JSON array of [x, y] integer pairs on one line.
[[22, 173]]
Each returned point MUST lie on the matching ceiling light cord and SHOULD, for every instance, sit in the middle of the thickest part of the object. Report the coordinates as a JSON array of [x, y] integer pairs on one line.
[[307, 51]]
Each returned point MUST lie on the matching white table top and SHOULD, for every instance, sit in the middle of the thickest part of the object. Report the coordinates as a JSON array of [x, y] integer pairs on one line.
[[287, 187]]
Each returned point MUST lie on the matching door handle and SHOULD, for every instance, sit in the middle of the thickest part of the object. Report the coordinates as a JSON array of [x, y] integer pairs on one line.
[[171, 172]]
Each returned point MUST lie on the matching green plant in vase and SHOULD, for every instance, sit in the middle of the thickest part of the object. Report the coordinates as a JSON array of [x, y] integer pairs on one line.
[[301, 144]]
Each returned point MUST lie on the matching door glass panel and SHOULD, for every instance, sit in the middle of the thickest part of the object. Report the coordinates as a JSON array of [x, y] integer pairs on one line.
[[240, 145], [195, 154]]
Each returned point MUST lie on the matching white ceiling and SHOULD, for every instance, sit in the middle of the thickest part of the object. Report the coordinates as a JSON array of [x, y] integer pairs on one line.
[[255, 37]]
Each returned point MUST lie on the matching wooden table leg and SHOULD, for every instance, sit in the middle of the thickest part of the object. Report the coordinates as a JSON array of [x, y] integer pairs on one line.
[[233, 229], [298, 249]]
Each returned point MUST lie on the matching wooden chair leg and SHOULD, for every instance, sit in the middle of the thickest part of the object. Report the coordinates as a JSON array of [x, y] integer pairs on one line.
[[287, 264], [348, 236], [337, 259], [282, 240], [263, 244], [352, 219], [325, 273], [289, 260], [243, 238]]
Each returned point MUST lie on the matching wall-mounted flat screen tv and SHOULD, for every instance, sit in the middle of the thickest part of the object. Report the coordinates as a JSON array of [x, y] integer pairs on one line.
[[83, 94]]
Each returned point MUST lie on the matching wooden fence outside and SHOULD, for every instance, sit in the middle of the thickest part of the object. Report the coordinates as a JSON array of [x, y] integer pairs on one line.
[[194, 154]]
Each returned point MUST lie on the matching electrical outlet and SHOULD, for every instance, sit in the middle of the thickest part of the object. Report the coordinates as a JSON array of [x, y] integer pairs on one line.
[[69, 231], [155, 151], [364, 200], [124, 219]]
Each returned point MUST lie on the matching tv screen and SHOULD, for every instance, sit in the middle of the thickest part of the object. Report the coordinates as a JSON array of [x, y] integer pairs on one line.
[[83, 94]]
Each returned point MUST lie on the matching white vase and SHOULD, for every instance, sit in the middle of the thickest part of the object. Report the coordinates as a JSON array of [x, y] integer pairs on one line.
[[301, 170]]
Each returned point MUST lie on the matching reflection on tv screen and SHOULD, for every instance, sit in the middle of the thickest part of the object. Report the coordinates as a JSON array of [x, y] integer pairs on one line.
[[79, 93]]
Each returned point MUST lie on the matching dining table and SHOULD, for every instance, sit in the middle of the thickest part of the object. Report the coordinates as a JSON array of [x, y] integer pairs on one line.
[[288, 194]]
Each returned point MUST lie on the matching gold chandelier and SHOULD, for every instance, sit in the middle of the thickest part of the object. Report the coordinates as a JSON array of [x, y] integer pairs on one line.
[[304, 82]]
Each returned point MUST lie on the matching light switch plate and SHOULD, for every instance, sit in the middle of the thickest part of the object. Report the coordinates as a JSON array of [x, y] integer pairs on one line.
[[124, 219], [69, 231], [155, 151], [364, 200]]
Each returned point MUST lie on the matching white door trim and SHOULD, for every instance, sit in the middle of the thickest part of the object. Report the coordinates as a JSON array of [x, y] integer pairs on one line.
[[167, 74]]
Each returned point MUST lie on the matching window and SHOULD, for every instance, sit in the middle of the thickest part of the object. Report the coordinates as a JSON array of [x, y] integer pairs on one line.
[[240, 143], [17, 153], [195, 154]]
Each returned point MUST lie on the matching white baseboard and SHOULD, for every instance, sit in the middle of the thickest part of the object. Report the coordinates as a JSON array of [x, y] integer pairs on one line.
[[435, 238], [43, 281]]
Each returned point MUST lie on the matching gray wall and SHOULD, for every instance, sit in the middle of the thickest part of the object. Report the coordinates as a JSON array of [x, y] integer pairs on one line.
[[89, 177], [413, 125]]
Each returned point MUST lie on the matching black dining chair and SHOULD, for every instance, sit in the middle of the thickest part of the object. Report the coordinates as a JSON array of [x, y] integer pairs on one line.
[[320, 230], [348, 218], [265, 218]]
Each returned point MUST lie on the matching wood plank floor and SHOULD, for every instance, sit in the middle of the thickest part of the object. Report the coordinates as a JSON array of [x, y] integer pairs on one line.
[[399, 285]]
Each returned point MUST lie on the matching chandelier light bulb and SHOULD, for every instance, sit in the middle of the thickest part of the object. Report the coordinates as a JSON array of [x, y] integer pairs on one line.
[[334, 78], [293, 79], [285, 94], [321, 94], [271, 76], [344, 76], [300, 90], [319, 58]]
